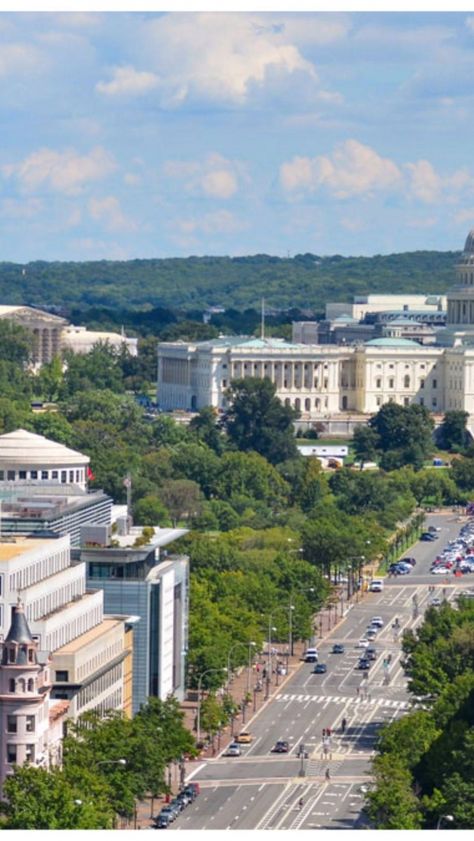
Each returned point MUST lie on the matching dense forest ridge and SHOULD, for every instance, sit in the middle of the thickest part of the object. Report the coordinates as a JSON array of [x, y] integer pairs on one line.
[[304, 281]]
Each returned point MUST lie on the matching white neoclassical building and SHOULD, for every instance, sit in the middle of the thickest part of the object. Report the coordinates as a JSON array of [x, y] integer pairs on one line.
[[323, 381], [27, 458]]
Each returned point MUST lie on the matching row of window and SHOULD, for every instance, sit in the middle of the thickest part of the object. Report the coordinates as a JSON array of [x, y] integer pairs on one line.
[[21, 685], [54, 475], [33, 573], [14, 720], [100, 685], [406, 382], [67, 632], [12, 753]]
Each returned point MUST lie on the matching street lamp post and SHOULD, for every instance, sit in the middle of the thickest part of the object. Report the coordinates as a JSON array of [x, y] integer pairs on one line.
[[449, 818], [290, 616], [249, 667], [203, 674]]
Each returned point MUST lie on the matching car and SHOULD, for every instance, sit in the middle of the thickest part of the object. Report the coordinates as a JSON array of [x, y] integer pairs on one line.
[[411, 561], [244, 738], [364, 663], [338, 648], [363, 643], [377, 621], [178, 803], [233, 749], [428, 536], [168, 812], [193, 789], [440, 571], [281, 746], [370, 653], [436, 602], [311, 655], [376, 586], [162, 821], [186, 799], [434, 529], [371, 633], [320, 669]]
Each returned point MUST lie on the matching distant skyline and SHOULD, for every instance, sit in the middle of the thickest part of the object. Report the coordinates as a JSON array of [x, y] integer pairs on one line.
[[137, 135]]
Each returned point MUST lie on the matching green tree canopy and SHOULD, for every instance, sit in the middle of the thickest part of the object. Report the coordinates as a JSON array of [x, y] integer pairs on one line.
[[257, 420]]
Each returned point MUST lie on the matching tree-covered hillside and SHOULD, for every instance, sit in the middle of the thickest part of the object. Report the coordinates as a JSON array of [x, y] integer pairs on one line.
[[305, 281]]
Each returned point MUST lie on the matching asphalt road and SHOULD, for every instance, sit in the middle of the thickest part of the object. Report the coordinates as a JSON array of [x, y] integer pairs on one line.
[[261, 790]]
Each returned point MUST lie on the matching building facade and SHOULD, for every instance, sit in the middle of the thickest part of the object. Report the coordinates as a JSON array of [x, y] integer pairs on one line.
[[324, 381], [154, 587], [66, 619], [31, 723]]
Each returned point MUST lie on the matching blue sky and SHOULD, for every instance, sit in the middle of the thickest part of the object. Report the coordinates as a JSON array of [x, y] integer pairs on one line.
[[136, 135]]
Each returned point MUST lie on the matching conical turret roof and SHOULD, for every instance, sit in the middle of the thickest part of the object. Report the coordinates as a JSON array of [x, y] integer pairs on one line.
[[19, 631]]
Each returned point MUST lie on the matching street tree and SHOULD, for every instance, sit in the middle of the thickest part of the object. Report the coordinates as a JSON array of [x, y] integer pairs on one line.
[[257, 420], [365, 442], [182, 498], [453, 434], [393, 804]]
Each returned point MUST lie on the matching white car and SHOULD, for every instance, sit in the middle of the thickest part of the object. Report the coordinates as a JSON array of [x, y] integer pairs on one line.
[[377, 621], [440, 571], [363, 643], [436, 602]]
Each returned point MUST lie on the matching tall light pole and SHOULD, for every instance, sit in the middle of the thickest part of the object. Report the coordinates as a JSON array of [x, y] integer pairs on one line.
[[449, 818], [203, 674], [290, 616], [249, 667], [244, 645]]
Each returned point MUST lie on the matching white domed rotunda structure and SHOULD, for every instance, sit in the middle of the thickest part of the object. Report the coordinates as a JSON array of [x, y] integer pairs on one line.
[[30, 459]]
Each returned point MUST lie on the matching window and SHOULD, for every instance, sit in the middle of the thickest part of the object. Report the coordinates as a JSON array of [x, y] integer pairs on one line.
[[422, 383], [30, 724], [11, 475], [434, 402], [34, 474], [378, 383], [11, 655], [54, 474], [2, 475], [63, 477], [435, 383], [11, 754], [62, 676], [22, 474], [224, 383], [44, 474], [391, 383], [71, 476], [11, 724], [422, 401], [11, 685], [406, 401], [31, 685], [406, 381], [378, 401], [29, 753]]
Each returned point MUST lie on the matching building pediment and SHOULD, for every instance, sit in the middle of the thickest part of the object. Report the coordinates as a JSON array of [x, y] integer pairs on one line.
[[30, 317]]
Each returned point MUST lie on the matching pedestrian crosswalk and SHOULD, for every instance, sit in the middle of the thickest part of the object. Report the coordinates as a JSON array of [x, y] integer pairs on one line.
[[339, 699]]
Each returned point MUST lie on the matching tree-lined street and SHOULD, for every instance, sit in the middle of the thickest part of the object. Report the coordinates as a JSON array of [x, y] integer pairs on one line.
[[262, 790]]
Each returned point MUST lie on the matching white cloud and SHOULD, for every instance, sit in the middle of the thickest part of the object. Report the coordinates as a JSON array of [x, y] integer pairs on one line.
[[429, 186], [126, 81], [352, 169], [311, 29], [224, 58], [215, 176], [108, 211], [18, 58], [63, 172]]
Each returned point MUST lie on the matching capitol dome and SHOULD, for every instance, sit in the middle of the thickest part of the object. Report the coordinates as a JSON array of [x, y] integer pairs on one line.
[[26, 457], [469, 246]]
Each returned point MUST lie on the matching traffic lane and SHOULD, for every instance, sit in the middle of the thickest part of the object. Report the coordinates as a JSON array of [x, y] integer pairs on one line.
[[236, 807]]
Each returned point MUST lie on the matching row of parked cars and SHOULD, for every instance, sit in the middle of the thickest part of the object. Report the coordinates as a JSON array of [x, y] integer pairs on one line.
[[403, 567], [366, 642], [458, 555], [170, 812]]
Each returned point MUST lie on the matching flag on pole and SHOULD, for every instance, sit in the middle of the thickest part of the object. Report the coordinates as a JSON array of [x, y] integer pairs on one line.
[[127, 482], [90, 474]]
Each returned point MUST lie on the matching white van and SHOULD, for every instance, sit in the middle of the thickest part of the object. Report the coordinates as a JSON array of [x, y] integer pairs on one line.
[[376, 586], [311, 655]]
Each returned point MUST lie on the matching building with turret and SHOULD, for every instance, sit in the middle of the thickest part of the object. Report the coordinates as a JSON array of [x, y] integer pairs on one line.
[[31, 723]]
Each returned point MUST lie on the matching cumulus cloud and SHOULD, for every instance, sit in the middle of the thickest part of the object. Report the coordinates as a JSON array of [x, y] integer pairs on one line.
[[126, 81], [215, 176], [352, 169], [62, 172], [222, 58], [108, 211], [429, 186]]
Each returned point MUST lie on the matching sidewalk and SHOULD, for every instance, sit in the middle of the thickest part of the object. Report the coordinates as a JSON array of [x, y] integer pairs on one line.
[[324, 622]]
